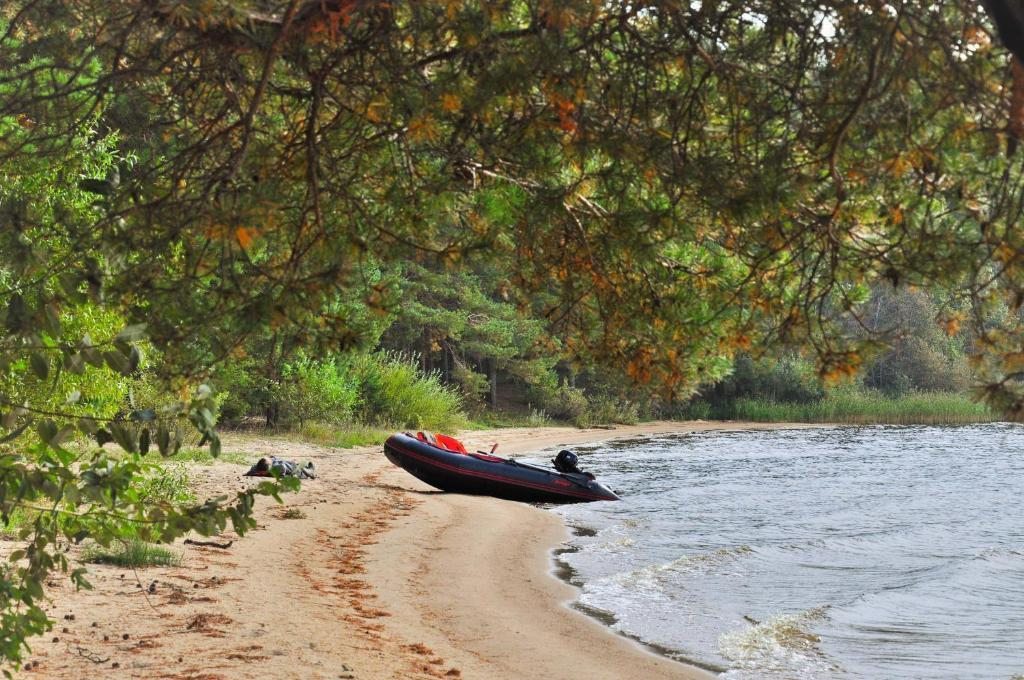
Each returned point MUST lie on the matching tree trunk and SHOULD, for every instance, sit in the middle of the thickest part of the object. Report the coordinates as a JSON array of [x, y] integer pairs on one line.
[[1015, 125], [446, 365], [1008, 16], [425, 359], [494, 382], [273, 377]]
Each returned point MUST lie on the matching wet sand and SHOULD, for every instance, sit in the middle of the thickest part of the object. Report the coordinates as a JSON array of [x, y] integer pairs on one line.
[[365, 573]]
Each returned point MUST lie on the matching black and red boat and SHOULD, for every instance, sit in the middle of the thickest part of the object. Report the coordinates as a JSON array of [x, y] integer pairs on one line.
[[443, 463]]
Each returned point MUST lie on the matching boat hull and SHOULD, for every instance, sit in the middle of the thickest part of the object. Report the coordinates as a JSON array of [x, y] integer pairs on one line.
[[482, 474]]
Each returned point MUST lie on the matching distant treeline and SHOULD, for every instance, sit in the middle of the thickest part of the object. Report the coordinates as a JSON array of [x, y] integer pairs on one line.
[[456, 350], [920, 373]]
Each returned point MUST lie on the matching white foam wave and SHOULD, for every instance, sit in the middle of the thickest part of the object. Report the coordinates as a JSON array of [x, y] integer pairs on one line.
[[656, 576], [783, 646]]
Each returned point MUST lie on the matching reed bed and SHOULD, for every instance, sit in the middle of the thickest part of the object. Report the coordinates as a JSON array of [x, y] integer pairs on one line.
[[868, 407]]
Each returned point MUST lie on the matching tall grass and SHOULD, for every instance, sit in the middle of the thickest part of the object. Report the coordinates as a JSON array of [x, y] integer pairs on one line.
[[868, 406]]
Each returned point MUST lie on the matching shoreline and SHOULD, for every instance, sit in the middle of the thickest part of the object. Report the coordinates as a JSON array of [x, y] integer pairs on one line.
[[365, 573], [597, 651], [564, 572]]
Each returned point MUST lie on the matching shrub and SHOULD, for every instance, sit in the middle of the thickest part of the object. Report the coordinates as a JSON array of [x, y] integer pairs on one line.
[[474, 386], [788, 380], [610, 410], [563, 403], [914, 365], [394, 391], [241, 390], [323, 391], [697, 409]]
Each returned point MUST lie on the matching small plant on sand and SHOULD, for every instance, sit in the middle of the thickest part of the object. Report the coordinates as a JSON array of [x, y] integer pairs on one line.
[[132, 553], [169, 483], [292, 513], [12, 525]]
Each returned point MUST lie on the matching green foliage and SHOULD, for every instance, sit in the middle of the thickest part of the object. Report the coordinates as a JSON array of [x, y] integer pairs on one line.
[[787, 380], [563, 403], [870, 407], [132, 554], [651, 188], [464, 325], [16, 520], [538, 418], [608, 410], [922, 355], [323, 391], [913, 365], [574, 405], [245, 392], [395, 392], [326, 400], [72, 347], [473, 386]]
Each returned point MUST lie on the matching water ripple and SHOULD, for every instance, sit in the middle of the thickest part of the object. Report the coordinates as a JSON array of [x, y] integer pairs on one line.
[[860, 552]]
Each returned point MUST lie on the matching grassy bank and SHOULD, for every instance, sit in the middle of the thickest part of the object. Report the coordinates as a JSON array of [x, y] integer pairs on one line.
[[857, 407]]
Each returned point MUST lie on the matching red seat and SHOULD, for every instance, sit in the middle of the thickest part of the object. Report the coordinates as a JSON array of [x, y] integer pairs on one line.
[[450, 443], [442, 441]]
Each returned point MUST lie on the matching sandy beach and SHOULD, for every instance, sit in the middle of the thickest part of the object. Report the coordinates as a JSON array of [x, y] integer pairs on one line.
[[365, 573]]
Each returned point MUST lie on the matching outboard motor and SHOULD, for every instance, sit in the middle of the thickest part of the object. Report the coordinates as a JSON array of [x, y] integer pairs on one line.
[[566, 461]]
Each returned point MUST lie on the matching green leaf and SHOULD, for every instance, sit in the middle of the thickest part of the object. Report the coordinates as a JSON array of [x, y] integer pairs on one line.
[[103, 437], [47, 430], [75, 363], [51, 315], [134, 359], [11, 436], [132, 333], [40, 366], [92, 356], [16, 314], [117, 361], [163, 439], [100, 187], [124, 437]]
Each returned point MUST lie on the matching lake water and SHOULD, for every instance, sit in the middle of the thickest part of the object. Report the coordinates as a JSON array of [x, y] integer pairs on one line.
[[846, 552]]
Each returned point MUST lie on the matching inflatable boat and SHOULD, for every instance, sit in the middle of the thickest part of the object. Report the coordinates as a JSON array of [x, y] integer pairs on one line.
[[444, 463]]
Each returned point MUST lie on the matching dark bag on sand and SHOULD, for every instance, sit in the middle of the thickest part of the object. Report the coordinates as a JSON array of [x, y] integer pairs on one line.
[[284, 468]]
